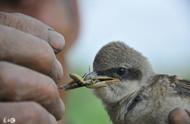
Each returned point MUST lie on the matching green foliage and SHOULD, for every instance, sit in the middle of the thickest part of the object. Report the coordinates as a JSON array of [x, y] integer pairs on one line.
[[84, 108]]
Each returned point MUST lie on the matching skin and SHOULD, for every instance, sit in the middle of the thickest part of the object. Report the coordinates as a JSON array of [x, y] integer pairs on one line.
[[179, 116], [32, 59], [29, 69]]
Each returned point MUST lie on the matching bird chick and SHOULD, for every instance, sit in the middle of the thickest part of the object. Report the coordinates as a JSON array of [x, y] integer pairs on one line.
[[138, 96]]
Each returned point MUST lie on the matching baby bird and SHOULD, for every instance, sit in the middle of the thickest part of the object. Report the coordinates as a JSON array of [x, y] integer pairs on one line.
[[134, 93]]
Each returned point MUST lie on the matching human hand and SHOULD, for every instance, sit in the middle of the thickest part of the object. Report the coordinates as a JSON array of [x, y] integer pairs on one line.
[[179, 116], [29, 70]]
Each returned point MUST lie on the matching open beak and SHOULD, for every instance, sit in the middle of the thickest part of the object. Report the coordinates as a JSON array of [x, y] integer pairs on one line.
[[90, 80], [97, 81]]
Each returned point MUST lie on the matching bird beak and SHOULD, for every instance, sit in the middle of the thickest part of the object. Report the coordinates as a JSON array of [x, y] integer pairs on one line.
[[90, 80], [98, 81]]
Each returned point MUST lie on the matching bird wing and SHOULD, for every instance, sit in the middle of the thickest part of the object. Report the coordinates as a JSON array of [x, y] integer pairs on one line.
[[182, 87]]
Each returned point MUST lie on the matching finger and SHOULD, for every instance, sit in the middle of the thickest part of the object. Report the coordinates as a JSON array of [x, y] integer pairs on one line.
[[29, 51], [188, 112], [24, 113], [22, 84], [178, 116], [34, 27]]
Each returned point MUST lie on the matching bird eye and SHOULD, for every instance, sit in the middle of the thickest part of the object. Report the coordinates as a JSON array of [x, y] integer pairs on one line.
[[121, 71]]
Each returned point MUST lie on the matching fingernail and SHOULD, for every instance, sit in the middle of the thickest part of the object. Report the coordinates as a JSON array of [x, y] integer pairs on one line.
[[56, 40]]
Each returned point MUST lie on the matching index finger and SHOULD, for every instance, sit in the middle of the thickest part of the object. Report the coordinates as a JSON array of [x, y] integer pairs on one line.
[[34, 27]]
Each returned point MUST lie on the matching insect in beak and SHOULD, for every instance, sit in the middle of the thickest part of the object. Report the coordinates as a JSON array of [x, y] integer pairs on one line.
[[90, 80]]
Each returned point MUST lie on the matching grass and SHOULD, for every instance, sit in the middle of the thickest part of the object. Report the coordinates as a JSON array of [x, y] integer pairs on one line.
[[84, 108]]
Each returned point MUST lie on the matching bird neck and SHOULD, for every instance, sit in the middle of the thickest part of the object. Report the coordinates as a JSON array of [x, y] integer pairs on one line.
[[117, 111]]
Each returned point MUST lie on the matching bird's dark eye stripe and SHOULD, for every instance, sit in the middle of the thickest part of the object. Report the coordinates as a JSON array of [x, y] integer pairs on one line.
[[133, 74], [109, 72]]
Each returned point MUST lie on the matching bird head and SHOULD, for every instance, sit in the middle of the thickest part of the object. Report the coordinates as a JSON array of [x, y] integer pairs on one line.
[[120, 70]]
